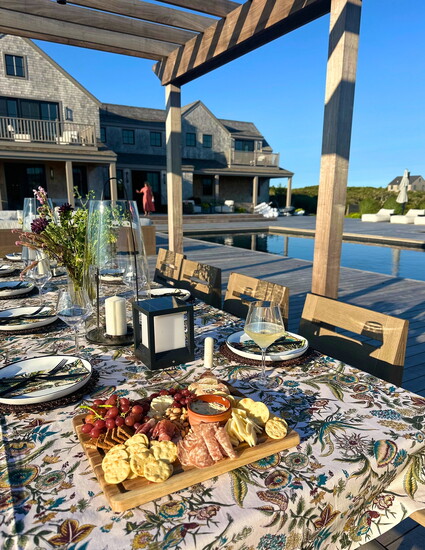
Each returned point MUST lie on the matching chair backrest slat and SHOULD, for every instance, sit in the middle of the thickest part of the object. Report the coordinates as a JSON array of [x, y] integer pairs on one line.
[[321, 317], [168, 267], [242, 290], [203, 281]]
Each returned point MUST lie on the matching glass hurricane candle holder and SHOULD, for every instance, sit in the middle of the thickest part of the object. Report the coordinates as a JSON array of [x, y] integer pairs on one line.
[[116, 269]]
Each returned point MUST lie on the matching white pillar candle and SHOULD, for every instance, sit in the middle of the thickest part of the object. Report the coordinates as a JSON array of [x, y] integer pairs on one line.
[[208, 352], [169, 332], [115, 315]]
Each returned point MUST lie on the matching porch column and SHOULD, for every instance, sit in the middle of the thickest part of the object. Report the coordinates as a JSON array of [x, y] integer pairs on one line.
[[173, 130], [216, 187], [289, 192], [339, 100], [254, 191], [69, 183], [113, 182]]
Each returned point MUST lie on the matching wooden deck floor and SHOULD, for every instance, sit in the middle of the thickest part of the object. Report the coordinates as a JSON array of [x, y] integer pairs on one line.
[[404, 298]]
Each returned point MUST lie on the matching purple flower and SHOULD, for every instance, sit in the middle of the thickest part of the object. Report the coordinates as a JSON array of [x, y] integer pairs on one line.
[[40, 194], [39, 225], [66, 208]]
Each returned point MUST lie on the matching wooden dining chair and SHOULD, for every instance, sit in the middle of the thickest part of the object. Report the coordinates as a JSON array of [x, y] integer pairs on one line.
[[203, 281], [242, 290], [168, 267], [371, 341]]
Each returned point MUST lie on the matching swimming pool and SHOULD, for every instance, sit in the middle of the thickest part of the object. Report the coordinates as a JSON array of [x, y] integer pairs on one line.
[[405, 263]]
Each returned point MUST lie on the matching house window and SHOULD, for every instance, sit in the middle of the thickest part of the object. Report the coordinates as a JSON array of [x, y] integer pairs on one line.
[[190, 139], [128, 137], [103, 134], [156, 139], [69, 114], [207, 186], [207, 141], [15, 65], [28, 108], [244, 145]]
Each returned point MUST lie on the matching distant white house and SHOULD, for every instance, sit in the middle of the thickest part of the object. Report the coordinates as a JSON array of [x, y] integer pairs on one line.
[[416, 183]]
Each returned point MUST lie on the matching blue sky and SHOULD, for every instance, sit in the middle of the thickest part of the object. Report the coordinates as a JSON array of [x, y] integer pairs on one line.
[[280, 87]]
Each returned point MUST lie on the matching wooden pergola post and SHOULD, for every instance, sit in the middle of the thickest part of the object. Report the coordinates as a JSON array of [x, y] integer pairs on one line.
[[113, 181], [69, 183], [289, 192], [173, 132], [254, 191], [339, 100]]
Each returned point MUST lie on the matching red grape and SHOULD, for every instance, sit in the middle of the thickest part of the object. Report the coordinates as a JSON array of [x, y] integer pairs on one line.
[[137, 409], [112, 399], [100, 424], [87, 428], [99, 402], [110, 423], [112, 412], [124, 401], [137, 417], [137, 425], [95, 433], [163, 392], [172, 391], [185, 392], [183, 401], [176, 404], [130, 421], [125, 408], [119, 421], [177, 396]]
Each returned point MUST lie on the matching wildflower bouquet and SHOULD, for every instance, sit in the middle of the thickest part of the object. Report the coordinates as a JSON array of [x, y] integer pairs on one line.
[[60, 234]]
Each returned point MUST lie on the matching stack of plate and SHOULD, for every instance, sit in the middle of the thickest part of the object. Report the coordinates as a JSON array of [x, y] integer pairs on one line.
[[288, 347]]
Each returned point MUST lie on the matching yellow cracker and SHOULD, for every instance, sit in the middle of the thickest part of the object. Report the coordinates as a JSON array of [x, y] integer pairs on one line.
[[157, 471], [139, 439], [255, 409], [276, 428], [165, 450], [120, 455], [137, 463], [116, 472], [138, 450]]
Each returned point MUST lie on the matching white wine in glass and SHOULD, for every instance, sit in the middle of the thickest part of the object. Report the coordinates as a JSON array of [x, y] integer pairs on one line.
[[73, 307], [264, 325]]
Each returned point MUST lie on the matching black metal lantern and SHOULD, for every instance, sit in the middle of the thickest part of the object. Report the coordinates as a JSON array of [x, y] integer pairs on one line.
[[163, 332]]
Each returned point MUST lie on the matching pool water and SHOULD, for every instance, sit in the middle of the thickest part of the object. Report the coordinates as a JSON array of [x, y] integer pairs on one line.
[[405, 263]]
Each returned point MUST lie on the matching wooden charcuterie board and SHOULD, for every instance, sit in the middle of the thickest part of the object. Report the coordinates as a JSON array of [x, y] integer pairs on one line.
[[132, 493]]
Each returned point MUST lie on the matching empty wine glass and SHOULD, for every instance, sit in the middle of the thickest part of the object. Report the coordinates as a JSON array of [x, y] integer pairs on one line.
[[40, 273], [73, 308], [264, 325]]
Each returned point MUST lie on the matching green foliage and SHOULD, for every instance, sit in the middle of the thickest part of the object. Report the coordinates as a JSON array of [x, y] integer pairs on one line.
[[354, 215], [369, 206], [240, 210]]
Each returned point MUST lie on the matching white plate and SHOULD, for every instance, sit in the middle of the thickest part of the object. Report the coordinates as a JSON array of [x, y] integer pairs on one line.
[[45, 364], [180, 293], [14, 256], [24, 288], [237, 341], [6, 270], [25, 323]]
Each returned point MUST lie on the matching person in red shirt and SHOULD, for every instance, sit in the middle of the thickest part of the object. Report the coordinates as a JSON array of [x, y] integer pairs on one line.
[[148, 200]]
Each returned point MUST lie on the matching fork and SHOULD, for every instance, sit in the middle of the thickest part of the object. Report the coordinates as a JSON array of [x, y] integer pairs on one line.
[[22, 383]]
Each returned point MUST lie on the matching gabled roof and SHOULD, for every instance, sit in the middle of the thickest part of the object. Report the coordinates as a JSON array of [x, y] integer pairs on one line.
[[241, 129], [59, 68], [397, 180]]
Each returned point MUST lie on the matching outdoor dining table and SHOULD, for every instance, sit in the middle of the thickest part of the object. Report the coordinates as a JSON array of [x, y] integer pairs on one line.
[[358, 471]]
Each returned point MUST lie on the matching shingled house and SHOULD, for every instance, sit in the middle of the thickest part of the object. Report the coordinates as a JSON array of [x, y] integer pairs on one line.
[[416, 183], [54, 133]]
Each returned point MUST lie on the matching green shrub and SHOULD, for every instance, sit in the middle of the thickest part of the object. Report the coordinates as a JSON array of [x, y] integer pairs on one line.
[[354, 215], [240, 210], [369, 206]]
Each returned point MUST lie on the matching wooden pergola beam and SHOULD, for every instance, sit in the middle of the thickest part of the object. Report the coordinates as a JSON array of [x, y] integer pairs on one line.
[[149, 12], [220, 8], [99, 20], [12, 22], [339, 103], [253, 24]]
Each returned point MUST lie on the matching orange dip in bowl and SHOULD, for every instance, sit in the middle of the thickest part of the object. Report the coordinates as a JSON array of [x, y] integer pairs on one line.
[[209, 408]]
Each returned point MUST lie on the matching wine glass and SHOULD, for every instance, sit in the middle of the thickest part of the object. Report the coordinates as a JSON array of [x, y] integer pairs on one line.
[[264, 325], [40, 273], [73, 307]]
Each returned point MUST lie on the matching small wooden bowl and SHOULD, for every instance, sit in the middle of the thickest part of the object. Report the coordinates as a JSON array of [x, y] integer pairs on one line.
[[222, 417]]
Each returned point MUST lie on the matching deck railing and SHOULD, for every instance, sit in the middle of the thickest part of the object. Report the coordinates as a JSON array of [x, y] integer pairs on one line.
[[253, 158], [27, 130]]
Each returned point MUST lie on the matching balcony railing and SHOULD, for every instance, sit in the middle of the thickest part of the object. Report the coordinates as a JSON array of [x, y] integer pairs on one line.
[[27, 130], [253, 158]]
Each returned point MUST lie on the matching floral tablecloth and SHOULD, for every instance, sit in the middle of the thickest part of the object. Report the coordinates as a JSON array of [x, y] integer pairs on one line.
[[358, 471]]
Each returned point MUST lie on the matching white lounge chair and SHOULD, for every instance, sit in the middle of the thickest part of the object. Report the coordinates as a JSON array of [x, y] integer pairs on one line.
[[419, 220], [383, 215], [409, 217]]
